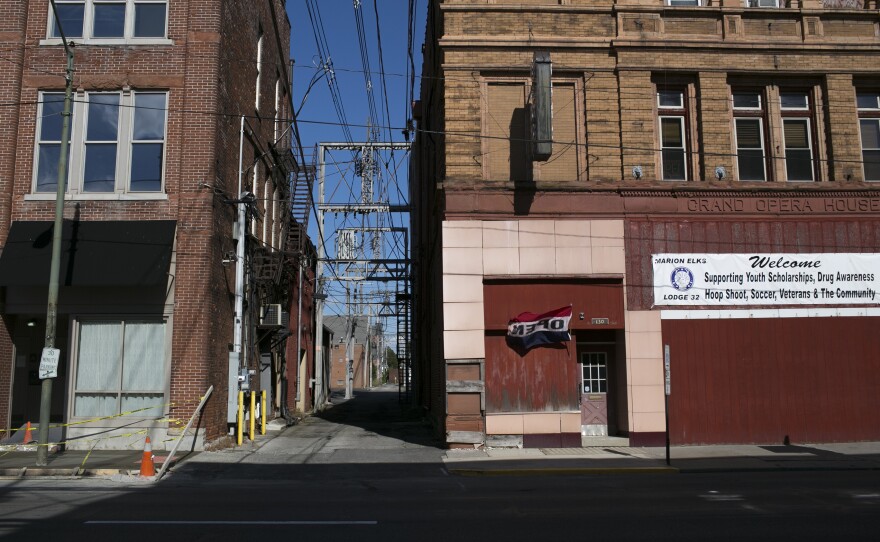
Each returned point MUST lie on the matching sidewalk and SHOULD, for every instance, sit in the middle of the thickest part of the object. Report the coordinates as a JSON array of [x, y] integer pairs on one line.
[[683, 459], [21, 463], [513, 462]]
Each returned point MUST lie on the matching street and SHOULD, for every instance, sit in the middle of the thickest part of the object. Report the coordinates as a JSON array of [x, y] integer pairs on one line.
[[353, 475]]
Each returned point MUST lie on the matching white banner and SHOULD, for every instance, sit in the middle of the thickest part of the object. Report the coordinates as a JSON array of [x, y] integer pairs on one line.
[[766, 279]]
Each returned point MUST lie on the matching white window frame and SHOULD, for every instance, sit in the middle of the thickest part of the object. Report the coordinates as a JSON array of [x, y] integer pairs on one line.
[[76, 155], [673, 112], [684, 3], [758, 115], [75, 356], [128, 36], [762, 3], [259, 69], [805, 108], [869, 115]]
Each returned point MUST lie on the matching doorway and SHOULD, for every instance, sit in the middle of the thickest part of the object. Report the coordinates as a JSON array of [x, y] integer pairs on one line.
[[597, 385], [29, 337]]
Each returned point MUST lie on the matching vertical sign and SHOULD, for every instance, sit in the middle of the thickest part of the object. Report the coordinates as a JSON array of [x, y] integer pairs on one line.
[[666, 377], [667, 382], [49, 363]]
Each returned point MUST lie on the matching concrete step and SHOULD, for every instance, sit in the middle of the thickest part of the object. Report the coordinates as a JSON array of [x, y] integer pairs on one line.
[[589, 442]]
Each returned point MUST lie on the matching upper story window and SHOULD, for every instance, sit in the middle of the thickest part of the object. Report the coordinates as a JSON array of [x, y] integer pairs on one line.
[[762, 3], [797, 136], [749, 121], [868, 104], [259, 70], [684, 2], [109, 20], [672, 116], [117, 143], [506, 145]]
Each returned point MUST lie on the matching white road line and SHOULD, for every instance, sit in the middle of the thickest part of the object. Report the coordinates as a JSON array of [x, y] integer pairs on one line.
[[210, 522]]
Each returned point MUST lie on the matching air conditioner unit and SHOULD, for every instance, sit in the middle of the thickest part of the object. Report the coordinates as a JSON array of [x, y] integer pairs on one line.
[[271, 316]]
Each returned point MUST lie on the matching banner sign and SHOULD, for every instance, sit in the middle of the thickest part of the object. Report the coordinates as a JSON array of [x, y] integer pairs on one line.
[[528, 329], [766, 279]]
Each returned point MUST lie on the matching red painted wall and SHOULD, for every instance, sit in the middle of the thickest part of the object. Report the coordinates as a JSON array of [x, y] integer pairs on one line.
[[760, 380], [546, 378]]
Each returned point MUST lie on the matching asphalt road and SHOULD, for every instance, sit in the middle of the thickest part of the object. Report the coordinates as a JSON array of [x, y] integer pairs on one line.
[[367, 470], [370, 502]]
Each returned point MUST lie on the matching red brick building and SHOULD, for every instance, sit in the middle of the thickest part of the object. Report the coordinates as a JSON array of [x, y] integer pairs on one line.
[[159, 156]]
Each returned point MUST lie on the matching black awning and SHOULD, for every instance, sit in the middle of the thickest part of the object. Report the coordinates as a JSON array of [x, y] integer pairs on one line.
[[93, 253]]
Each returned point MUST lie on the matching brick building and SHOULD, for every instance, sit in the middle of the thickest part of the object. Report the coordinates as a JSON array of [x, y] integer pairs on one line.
[[159, 157], [338, 326], [711, 188]]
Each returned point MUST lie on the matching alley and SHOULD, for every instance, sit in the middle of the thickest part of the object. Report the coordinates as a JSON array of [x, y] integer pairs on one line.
[[374, 427]]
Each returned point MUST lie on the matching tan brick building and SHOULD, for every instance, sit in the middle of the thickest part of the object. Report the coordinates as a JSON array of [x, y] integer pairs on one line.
[[711, 189], [156, 168]]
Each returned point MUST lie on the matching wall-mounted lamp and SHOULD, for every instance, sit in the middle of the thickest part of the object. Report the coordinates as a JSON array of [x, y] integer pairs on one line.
[[637, 172], [720, 172], [32, 322]]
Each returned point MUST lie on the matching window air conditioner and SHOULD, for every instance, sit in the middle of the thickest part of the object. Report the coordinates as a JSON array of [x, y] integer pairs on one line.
[[271, 316]]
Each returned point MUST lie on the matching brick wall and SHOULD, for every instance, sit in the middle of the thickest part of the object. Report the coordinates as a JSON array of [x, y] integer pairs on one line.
[[209, 71]]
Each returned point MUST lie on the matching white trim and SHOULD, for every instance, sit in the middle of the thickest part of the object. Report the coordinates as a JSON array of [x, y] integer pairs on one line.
[[131, 196], [733, 314], [128, 37], [124, 142], [109, 41]]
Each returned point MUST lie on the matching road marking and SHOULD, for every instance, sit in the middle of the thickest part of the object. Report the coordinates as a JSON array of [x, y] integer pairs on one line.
[[716, 496], [211, 522]]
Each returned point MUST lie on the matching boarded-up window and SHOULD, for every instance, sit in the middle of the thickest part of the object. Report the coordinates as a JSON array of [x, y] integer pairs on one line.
[[563, 163], [506, 130], [508, 135]]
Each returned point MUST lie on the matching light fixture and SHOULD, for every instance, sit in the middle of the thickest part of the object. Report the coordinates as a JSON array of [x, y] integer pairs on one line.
[[32, 322], [637, 172], [720, 172]]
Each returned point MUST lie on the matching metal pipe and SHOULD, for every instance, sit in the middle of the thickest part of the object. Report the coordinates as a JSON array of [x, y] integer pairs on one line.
[[240, 425], [263, 412], [252, 412], [319, 283]]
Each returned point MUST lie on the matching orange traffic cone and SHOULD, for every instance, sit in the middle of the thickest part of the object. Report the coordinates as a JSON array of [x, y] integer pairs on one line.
[[28, 437], [147, 467]]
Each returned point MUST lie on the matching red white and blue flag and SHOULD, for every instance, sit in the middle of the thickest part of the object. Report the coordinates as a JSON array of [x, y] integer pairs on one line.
[[528, 330]]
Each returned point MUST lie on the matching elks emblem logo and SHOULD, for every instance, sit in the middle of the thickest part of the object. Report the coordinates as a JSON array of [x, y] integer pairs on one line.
[[682, 279]]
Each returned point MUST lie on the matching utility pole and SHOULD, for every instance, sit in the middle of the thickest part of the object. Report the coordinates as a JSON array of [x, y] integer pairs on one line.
[[49, 350]]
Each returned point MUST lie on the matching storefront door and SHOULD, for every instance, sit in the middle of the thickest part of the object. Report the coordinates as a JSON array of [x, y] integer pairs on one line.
[[594, 393]]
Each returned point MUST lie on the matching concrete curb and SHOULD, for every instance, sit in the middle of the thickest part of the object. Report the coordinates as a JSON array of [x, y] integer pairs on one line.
[[562, 471], [73, 472]]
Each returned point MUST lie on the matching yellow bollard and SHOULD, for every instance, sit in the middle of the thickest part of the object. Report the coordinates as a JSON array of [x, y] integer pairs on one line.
[[240, 428], [263, 412], [253, 414]]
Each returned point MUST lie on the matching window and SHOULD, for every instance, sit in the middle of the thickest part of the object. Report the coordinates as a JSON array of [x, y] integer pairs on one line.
[[748, 110], [797, 136], [594, 367], [120, 369], [506, 147], [117, 142], [673, 134], [683, 2], [109, 20], [762, 3], [869, 126], [259, 69]]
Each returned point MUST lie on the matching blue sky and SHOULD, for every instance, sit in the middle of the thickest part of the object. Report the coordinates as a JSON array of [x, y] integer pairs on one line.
[[319, 118], [342, 41]]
